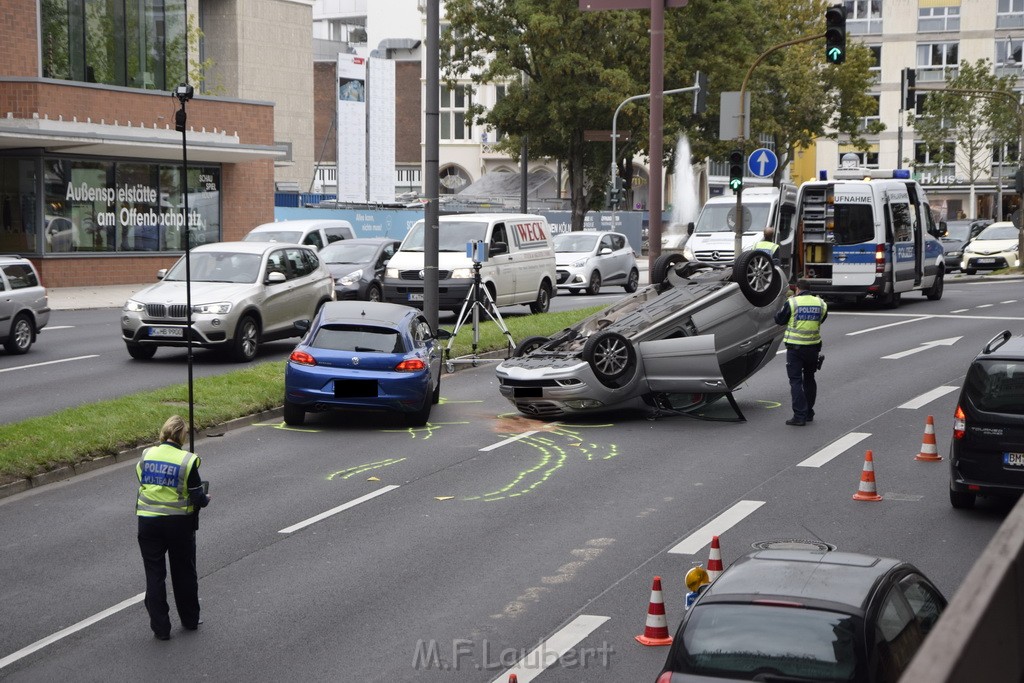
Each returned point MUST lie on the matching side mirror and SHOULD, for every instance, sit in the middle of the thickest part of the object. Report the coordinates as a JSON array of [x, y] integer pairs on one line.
[[690, 227], [275, 277], [497, 248], [604, 250], [943, 228], [161, 274], [302, 326]]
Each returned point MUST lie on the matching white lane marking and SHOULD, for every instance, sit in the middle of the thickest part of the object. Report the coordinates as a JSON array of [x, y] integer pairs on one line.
[[937, 315], [986, 306], [63, 633], [49, 362], [837, 447], [716, 527], [1011, 301], [57, 327], [552, 649], [960, 310], [340, 508], [923, 347], [882, 327], [509, 440], [927, 397]]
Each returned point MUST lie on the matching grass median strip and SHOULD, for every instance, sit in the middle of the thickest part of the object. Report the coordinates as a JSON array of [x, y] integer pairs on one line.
[[103, 428]]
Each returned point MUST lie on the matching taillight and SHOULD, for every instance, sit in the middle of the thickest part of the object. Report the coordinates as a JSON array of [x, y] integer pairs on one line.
[[959, 423], [665, 677], [411, 365], [302, 358], [879, 258]]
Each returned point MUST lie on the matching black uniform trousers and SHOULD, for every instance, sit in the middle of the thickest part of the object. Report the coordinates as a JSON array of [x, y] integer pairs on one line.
[[175, 537], [801, 364]]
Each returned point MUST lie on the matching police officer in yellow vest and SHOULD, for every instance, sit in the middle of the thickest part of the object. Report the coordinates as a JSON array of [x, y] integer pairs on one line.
[[767, 244], [170, 495], [802, 315]]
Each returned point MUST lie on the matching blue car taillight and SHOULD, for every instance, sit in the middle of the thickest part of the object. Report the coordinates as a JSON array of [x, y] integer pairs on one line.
[[302, 358]]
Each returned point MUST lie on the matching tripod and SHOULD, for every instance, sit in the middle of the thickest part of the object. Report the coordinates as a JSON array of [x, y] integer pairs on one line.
[[478, 298]]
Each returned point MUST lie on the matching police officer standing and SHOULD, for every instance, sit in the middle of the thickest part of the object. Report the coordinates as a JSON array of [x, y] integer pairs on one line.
[[767, 244], [802, 315], [170, 495]]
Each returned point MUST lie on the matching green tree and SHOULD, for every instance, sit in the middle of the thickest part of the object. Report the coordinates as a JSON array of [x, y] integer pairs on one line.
[[963, 123]]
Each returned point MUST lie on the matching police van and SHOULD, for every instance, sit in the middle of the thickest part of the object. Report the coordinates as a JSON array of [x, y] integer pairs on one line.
[[865, 234]]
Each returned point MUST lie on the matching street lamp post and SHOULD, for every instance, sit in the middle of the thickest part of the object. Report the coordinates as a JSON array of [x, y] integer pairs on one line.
[[184, 93]]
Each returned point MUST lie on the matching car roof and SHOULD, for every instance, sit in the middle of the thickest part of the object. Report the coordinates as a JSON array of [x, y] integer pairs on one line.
[[13, 258], [1001, 224], [248, 247], [807, 575], [365, 311], [364, 240], [1011, 349], [489, 217], [303, 224]]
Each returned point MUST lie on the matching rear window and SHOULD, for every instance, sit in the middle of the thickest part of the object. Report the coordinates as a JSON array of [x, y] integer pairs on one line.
[[735, 641], [358, 338], [997, 386], [21, 276], [854, 223]]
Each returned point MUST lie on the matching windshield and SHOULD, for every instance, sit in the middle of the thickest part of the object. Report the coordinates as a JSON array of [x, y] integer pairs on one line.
[[722, 217], [999, 232], [574, 241], [957, 230], [997, 386], [734, 641], [451, 235], [288, 236], [215, 266], [346, 252]]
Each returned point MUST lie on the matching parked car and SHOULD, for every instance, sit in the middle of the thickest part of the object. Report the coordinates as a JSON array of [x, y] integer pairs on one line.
[[364, 356], [953, 242], [24, 306], [805, 615], [986, 452], [995, 247], [358, 266], [242, 293], [588, 260], [317, 233], [690, 337]]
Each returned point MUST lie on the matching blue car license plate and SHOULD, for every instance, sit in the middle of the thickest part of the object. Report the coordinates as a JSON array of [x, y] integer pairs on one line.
[[1014, 459], [355, 388]]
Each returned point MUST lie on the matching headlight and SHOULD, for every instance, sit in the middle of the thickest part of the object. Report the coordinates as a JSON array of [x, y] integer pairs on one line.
[[954, 254], [132, 306], [461, 274], [351, 278], [220, 308], [391, 273], [1014, 247], [688, 253], [579, 263]]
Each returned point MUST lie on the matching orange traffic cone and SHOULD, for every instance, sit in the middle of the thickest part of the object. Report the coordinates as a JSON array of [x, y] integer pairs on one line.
[[656, 629], [866, 490], [929, 452], [714, 560], [512, 678]]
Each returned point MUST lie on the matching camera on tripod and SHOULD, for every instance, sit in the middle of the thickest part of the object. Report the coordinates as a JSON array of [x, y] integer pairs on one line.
[[477, 251]]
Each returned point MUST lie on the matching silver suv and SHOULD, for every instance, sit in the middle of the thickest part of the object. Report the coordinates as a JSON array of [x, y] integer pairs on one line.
[[24, 307], [242, 293]]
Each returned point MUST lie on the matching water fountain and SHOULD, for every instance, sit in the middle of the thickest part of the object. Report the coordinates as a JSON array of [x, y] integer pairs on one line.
[[684, 198]]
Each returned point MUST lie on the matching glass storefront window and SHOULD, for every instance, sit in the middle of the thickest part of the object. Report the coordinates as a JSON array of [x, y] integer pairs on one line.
[[18, 206]]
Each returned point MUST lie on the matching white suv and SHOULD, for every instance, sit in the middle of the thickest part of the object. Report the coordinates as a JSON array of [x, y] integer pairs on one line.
[[24, 307]]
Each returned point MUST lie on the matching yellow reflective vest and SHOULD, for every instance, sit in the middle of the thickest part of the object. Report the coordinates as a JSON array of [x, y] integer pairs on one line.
[[805, 314], [765, 245], [163, 481]]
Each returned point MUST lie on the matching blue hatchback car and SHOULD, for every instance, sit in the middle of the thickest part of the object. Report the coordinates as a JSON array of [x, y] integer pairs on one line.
[[364, 356]]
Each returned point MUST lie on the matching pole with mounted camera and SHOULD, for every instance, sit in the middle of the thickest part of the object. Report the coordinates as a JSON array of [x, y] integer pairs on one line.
[[184, 93], [478, 298]]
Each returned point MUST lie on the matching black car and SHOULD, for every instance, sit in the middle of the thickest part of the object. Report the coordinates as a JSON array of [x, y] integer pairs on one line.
[[986, 453], [357, 266], [805, 615]]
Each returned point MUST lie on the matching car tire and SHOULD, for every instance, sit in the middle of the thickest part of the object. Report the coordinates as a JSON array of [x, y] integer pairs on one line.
[[141, 351], [435, 397], [529, 345], [246, 341], [294, 414], [892, 300], [970, 271], [934, 293], [611, 356], [20, 340], [757, 276], [420, 417], [594, 285], [543, 302], [662, 265], [961, 500], [373, 293], [633, 282]]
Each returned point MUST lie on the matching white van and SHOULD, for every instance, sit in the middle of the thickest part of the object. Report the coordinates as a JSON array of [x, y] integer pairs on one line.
[[520, 267], [713, 237], [315, 232]]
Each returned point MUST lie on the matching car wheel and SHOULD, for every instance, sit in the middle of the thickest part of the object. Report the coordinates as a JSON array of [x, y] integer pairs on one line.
[[373, 293], [420, 417], [663, 265], [961, 500], [435, 397], [970, 271], [757, 276], [141, 351], [594, 287], [294, 414], [528, 346], [633, 282], [20, 340], [611, 356], [892, 300], [543, 302], [247, 338], [934, 293]]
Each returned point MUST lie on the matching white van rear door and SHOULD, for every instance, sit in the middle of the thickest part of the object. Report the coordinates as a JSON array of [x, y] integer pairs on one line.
[[854, 234]]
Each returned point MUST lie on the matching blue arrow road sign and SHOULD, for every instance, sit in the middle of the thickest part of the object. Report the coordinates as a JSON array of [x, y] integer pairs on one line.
[[763, 162]]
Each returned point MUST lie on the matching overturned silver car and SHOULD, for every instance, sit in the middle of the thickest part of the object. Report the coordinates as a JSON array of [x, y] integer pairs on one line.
[[690, 337]]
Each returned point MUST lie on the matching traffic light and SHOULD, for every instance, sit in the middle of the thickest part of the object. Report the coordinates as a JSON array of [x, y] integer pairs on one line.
[[616, 192], [835, 34], [736, 170], [909, 88], [700, 98]]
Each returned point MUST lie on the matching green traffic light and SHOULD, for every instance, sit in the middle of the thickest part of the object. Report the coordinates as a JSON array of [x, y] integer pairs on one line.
[[735, 184], [835, 55]]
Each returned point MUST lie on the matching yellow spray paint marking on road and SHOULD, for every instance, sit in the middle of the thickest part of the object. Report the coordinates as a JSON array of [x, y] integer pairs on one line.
[[428, 429], [359, 469], [445, 401], [285, 427], [769, 404]]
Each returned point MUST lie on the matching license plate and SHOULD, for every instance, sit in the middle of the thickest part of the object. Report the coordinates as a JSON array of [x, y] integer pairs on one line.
[[355, 388], [527, 392], [415, 296], [985, 260], [177, 332], [1014, 459]]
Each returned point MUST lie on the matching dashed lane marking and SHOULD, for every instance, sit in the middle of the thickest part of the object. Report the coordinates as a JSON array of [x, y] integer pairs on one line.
[[340, 508], [696, 541], [50, 362], [927, 397], [552, 649], [837, 447]]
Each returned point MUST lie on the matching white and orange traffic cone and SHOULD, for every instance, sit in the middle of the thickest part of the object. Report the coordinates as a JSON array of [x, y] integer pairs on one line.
[[866, 490], [512, 678], [929, 453], [656, 628], [714, 560]]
